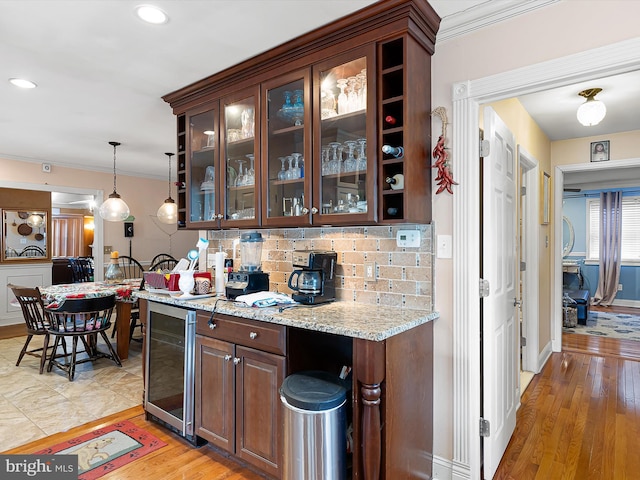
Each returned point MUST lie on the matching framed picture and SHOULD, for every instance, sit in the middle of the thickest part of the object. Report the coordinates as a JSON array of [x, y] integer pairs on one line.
[[545, 198], [600, 151]]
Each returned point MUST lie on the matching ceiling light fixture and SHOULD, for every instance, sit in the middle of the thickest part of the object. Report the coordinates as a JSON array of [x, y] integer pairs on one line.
[[152, 14], [114, 209], [168, 211], [22, 83], [592, 111]]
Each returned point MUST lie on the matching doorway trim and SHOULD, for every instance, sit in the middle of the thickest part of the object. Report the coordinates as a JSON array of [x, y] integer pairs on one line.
[[466, 98]]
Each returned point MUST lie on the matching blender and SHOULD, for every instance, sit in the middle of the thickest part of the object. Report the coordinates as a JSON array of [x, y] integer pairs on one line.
[[249, 278]]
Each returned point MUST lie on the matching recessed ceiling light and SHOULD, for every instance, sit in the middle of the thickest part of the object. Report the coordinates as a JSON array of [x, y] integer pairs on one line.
[[22, 83], [152, 14]]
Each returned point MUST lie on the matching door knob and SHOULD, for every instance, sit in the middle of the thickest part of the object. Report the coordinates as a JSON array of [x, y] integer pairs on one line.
[[227, 358], [236, 361]]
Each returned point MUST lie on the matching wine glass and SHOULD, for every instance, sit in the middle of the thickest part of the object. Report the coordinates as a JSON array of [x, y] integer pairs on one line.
[[296, 168], [282, 174], [362, 154], [350, 163], [290, 171], [325, 160], [241, 179], [287, 100], [250, 177], [334, 164], [362, 91], [342, 97], [352, 95]]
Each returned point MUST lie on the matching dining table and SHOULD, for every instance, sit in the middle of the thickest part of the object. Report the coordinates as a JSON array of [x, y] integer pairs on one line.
[[124, 303]]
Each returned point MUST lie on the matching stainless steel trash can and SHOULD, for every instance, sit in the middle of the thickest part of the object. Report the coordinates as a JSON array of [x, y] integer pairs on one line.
[[315, 443]]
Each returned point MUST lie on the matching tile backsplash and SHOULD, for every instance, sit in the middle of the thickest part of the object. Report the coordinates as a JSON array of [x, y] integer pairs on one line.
[[404, 276]]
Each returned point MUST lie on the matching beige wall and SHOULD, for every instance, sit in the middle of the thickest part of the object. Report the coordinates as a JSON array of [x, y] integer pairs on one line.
[[622, 146], [143, 196], [558, 30]]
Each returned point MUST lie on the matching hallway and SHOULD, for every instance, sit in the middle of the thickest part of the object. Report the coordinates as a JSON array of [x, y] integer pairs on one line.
[[580, 417]]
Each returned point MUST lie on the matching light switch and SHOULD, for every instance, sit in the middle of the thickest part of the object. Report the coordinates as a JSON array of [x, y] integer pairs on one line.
[[444, 249]]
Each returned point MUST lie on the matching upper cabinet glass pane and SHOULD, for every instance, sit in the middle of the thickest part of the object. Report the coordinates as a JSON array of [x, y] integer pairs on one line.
[[202, 175], [286, 163], [343, 109], [240, 160]]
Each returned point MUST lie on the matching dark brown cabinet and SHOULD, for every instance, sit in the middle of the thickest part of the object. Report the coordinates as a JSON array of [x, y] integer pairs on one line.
[[301, 141], [240, 365]]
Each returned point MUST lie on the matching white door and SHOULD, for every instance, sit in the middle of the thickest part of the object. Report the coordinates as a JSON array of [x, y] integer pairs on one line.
[[500, 346]]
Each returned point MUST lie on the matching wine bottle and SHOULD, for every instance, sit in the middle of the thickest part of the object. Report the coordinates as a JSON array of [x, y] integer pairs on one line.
[[394, 151], [396, 182], [390, 120]]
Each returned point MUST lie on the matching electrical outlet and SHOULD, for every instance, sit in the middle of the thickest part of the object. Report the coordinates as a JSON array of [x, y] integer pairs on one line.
[[619, 287], [107, 249], [370, 271]]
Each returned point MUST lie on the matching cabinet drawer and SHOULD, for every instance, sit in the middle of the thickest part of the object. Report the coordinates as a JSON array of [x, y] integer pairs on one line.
[[250, 333]]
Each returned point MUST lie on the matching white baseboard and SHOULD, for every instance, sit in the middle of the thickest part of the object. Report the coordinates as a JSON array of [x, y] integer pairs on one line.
[[627, 303], [445, 469], [544, 356]]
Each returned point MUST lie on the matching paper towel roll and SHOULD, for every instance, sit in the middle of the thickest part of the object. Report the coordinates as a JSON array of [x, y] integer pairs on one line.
[[219, 275]]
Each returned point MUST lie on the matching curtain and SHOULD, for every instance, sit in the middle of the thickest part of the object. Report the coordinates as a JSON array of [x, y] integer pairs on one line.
[[67, 236], [610, 246]]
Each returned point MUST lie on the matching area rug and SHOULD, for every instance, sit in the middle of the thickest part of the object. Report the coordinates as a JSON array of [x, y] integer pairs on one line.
[[103, 450], [609, 325]]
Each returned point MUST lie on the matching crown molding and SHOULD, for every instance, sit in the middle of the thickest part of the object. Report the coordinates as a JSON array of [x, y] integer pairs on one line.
[[484, 15]]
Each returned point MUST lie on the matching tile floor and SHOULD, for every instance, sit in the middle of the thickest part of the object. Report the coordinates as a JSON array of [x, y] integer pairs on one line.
[[33, 406]]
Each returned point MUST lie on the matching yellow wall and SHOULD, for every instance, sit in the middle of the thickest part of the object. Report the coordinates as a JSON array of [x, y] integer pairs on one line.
[[622, 146]]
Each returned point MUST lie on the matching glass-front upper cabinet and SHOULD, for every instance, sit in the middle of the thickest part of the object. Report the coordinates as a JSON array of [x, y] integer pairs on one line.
[[202, 176], [287, 153], [344, 170], [241, 167]]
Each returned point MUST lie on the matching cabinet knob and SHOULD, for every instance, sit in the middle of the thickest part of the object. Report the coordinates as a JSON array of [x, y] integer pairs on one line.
[[212, 325], [236, 361], [305, 210], [253, 335], [227, 358], [219, 216], [314, 210]]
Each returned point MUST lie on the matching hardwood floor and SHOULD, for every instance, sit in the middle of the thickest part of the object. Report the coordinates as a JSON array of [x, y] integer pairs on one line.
[[580, 417], [178, 460]]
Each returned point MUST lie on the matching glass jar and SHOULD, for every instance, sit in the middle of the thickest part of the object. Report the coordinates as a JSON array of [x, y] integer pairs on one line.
[[114, 273]]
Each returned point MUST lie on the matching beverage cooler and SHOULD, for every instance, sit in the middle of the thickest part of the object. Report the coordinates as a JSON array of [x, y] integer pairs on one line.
[[170, 371]]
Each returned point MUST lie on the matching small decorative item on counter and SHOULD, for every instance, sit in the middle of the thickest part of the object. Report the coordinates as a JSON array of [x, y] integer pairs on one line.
[[114, 273], [186, 282], [203, 286]]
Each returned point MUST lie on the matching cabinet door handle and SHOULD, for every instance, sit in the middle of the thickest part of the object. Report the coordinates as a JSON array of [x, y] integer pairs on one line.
[[305, 210], [212, 325], [236, 361], [227, 358], [253, 335], [314, 210], [219, 216]]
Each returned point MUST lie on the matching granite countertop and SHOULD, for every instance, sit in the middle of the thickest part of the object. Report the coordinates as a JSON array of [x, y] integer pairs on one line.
[[357, 320]]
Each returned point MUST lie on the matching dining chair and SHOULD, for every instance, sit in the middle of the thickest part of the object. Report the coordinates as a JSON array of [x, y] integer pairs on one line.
[[81, 319], [36, 322], [165, 265], [81, 269], [132, 268], [162, 256]]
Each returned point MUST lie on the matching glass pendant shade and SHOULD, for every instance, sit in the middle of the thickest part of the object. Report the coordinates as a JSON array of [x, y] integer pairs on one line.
[[114, 209], [34, 220], [168, 211], [592, 111]]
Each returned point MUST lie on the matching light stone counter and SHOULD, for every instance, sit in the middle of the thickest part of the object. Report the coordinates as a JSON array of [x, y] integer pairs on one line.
[[357, 320]]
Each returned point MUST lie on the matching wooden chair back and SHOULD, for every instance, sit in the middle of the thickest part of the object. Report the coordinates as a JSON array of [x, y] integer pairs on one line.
[[32, 308], [82, 315], [81, 269]]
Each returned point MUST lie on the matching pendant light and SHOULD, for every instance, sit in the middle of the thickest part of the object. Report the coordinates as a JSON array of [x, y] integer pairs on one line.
[[168, 211], [592, 111], [114, 209]]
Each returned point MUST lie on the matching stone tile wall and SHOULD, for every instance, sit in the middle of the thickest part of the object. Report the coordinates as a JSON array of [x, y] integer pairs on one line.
[[404, 275]]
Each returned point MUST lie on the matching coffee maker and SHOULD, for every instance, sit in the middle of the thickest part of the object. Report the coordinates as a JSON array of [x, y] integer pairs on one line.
[[249, 278], [315, 280]]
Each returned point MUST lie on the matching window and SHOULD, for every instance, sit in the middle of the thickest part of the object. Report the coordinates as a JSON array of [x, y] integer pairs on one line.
[[630, 229]]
